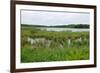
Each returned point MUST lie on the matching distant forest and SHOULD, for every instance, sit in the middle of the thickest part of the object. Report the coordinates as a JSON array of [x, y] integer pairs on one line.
[[60, 26]]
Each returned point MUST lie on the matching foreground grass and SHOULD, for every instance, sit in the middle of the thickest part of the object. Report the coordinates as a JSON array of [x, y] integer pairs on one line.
[[54, 54]]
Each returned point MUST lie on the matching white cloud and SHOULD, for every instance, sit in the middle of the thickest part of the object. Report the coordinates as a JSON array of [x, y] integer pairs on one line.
[[53, 18]]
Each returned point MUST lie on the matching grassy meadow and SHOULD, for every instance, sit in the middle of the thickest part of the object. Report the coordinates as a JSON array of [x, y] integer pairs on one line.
[[45, 46]]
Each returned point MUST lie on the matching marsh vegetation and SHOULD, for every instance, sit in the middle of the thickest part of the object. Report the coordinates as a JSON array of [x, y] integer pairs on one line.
[[41, 45]]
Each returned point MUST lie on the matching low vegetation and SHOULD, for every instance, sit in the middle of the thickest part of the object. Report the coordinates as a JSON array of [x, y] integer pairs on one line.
[[53, 45]]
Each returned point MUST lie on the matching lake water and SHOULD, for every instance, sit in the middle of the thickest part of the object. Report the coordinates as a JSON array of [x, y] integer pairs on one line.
[[65, 29]]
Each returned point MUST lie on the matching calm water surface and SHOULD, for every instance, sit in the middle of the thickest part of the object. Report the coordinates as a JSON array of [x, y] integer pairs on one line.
[[65, 29]]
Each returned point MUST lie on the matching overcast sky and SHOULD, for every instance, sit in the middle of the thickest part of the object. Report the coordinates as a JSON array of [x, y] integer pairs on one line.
[[53, 18]]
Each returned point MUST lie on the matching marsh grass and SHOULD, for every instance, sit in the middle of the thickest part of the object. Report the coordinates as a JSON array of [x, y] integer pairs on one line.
[[76, 51]]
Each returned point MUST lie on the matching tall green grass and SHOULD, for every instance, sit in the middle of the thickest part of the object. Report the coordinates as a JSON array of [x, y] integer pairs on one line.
[[76, 51], [54, 54]]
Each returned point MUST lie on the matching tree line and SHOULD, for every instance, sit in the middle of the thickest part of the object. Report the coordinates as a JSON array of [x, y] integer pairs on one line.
[[59, 26]]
